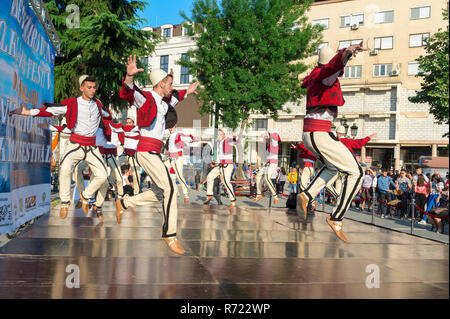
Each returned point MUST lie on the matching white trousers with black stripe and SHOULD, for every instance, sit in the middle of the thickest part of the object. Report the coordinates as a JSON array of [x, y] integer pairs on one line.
[[305, 177], [114, 179], [177, 165], [158, 172], [134, 169], [74, 153], [267, 172], [225, 170], [337, 159]]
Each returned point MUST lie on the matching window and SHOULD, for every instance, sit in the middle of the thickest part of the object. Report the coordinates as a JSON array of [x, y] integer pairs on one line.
[[413, 68], [187, 29], [320, 46], [382, 70], [418, 40], [325, 22], [352, 72], [261, 124], [384, 43], [184, 71], [164, 63], [420, 12], [349, 20], [384, 16], [167, 33], [347, 43]]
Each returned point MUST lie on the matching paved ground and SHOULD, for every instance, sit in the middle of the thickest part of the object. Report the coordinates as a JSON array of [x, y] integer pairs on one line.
[[249, 252]]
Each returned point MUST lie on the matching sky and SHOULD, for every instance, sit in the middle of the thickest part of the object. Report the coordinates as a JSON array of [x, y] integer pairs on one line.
[[159, 12]]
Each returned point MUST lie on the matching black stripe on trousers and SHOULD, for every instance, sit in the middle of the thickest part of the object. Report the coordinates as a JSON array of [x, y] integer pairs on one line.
[[231, 192], [340, 216], [269, 181], [138, 177], [175, 167], [343, 192], [306, 191], [67, 154], [166, 216], [314, 145], [120, 173]]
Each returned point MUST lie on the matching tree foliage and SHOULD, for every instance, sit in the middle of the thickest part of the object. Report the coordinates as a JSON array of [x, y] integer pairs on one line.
[[434, 71], [108, 32], [245, 53]]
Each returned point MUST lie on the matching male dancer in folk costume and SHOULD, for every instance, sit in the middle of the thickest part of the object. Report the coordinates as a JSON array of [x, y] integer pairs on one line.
[[152, 108], [272, 146], [130, 135], [351, 144], [225, 168], [308, 164], [324, 96], [309, 161], [84, 116], [108, 144], [175, 161]]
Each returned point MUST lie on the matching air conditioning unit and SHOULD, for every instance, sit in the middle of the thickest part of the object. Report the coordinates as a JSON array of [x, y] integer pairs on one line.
[[354, 26], [395, 72], [373, 52]]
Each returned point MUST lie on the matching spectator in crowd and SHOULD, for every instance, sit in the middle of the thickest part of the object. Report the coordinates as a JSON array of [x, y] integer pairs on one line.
[[419, 173], [436, 185], [405, 187], [422, 190], [292, 179], [281, 180], [366, 189], [383, 184], [127, 180], [253, 184], [440, 211]]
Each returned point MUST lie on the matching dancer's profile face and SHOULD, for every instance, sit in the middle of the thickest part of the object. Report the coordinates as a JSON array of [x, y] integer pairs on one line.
[[166, 86], [88, 89]]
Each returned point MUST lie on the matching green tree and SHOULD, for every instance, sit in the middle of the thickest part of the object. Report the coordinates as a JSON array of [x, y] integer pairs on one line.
[[434, 72], [245, 54], [107, 33], [247, 58]]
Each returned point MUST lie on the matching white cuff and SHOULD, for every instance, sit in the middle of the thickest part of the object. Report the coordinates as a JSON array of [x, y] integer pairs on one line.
[[34, 112]]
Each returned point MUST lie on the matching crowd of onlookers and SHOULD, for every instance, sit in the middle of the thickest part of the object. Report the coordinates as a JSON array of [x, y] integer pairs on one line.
[[393, 193]]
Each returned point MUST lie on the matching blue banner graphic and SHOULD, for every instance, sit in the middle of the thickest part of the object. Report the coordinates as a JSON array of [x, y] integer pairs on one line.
[[27, 59]]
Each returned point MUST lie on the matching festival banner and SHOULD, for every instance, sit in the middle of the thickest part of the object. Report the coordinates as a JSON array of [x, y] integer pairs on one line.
[[27, 59]]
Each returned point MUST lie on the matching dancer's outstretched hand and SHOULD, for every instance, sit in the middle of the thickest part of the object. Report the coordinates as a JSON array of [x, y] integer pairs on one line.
[[22, 110], [356, 48], [131, 65], [193, 88]]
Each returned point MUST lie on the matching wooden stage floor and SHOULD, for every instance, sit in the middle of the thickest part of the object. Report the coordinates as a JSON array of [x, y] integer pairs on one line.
[[247, 253]]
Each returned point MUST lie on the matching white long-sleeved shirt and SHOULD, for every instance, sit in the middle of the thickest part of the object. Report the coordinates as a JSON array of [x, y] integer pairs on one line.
[[221, 155], [156, 130], [173, 148], [100, 139], [88, 117]]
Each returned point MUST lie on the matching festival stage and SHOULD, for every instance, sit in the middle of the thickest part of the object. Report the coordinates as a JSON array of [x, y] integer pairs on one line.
[[246, 253]]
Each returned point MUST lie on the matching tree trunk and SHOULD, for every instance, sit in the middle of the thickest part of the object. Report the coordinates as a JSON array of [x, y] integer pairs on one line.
[[240, 147]]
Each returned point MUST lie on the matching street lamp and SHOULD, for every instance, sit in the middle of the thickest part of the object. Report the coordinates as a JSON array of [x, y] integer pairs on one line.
[[354, 130], [344, 124]]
